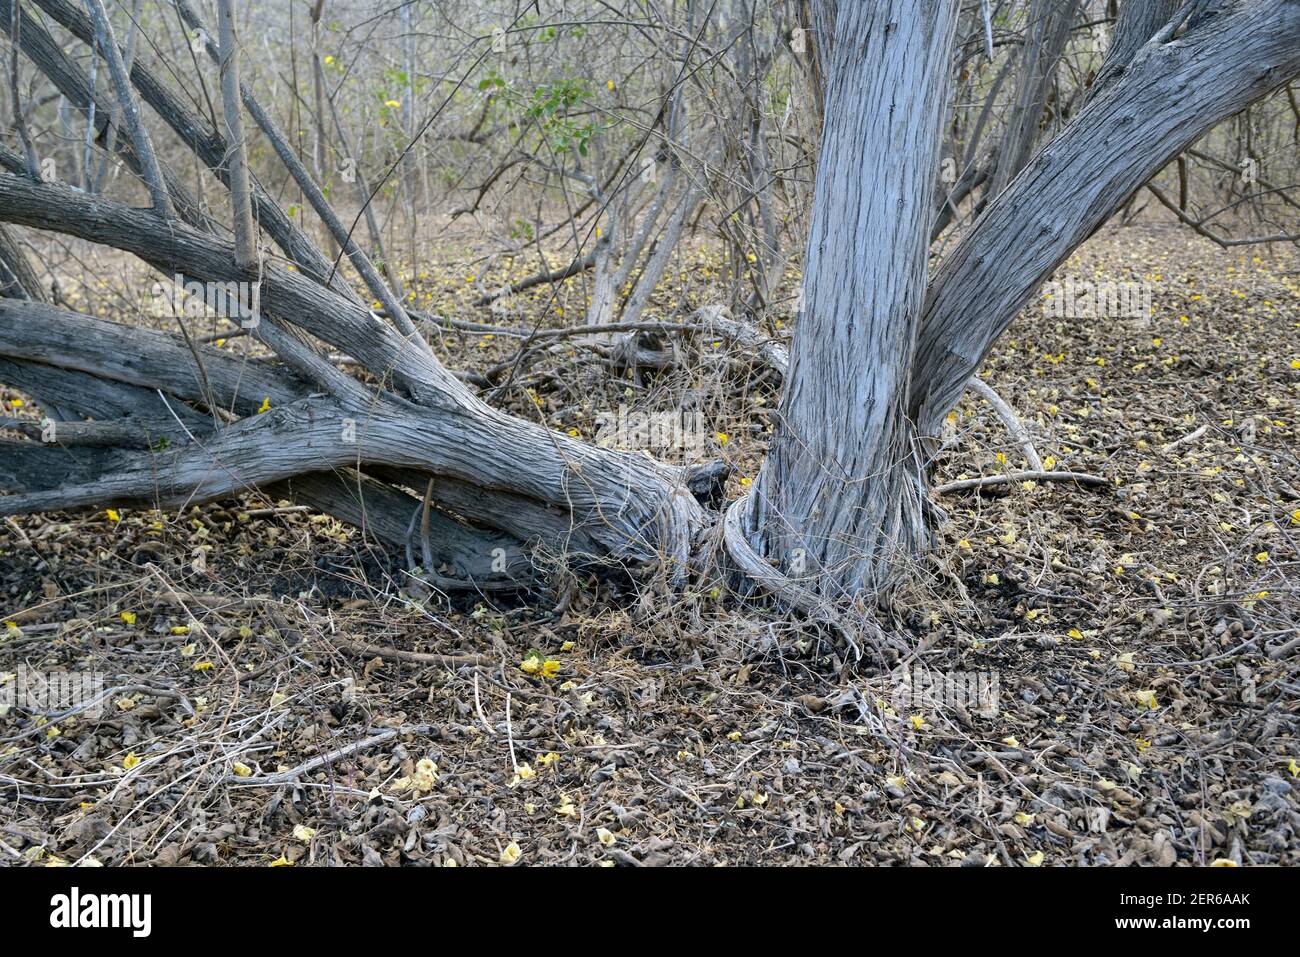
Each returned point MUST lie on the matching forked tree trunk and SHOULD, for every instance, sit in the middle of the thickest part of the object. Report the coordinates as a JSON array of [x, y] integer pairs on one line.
[[840, 499], [878, 357]]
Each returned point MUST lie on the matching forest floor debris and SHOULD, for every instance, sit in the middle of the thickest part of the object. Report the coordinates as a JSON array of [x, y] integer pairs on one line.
[[286, 699]]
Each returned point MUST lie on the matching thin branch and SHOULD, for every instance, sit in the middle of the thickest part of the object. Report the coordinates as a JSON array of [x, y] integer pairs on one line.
[[236, 155], [153, 176]]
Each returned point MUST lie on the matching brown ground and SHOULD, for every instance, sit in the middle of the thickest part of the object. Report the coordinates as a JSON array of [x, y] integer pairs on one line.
[[1142, 636]]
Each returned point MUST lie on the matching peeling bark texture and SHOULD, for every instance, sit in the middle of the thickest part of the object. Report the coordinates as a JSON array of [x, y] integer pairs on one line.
[[840, 498]]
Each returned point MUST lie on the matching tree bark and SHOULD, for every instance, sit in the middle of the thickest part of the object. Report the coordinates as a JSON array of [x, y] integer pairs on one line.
[[840, 498]]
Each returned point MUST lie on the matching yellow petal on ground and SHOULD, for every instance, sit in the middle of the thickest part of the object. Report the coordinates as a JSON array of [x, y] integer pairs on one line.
[[1147, 697]]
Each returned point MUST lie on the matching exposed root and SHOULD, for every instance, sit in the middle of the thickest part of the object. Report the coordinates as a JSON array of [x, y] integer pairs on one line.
[[851, 623], [1010, 420]]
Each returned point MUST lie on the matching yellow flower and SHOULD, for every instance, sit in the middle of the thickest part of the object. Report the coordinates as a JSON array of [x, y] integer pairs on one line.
[[511, 854], [1011, 741], [609, 85], [722, 437], [265, 406], [132, 760], [282, 861], [1035, 859], [1261, 556], [241, 769], [112, 514], [393, 104], [203, 666], [128, 617], [550, 668]]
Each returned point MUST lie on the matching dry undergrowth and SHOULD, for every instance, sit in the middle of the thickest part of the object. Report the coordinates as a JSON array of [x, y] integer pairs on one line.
[[1143, 639]]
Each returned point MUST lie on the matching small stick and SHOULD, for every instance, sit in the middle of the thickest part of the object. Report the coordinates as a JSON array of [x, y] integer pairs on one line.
[[1189, 437], [1082, 478], [395, 654], [478, 707], [288, 777], [510, 736]]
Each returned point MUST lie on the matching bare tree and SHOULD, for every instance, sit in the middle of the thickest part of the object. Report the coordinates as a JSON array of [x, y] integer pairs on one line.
[[882, 349]]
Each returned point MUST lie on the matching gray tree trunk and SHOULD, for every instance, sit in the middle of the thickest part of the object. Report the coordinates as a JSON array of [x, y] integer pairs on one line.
[[840, 499], [877, 360]]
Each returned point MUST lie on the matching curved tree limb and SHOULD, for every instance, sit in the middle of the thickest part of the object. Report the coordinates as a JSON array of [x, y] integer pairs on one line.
[[1173, 91]]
